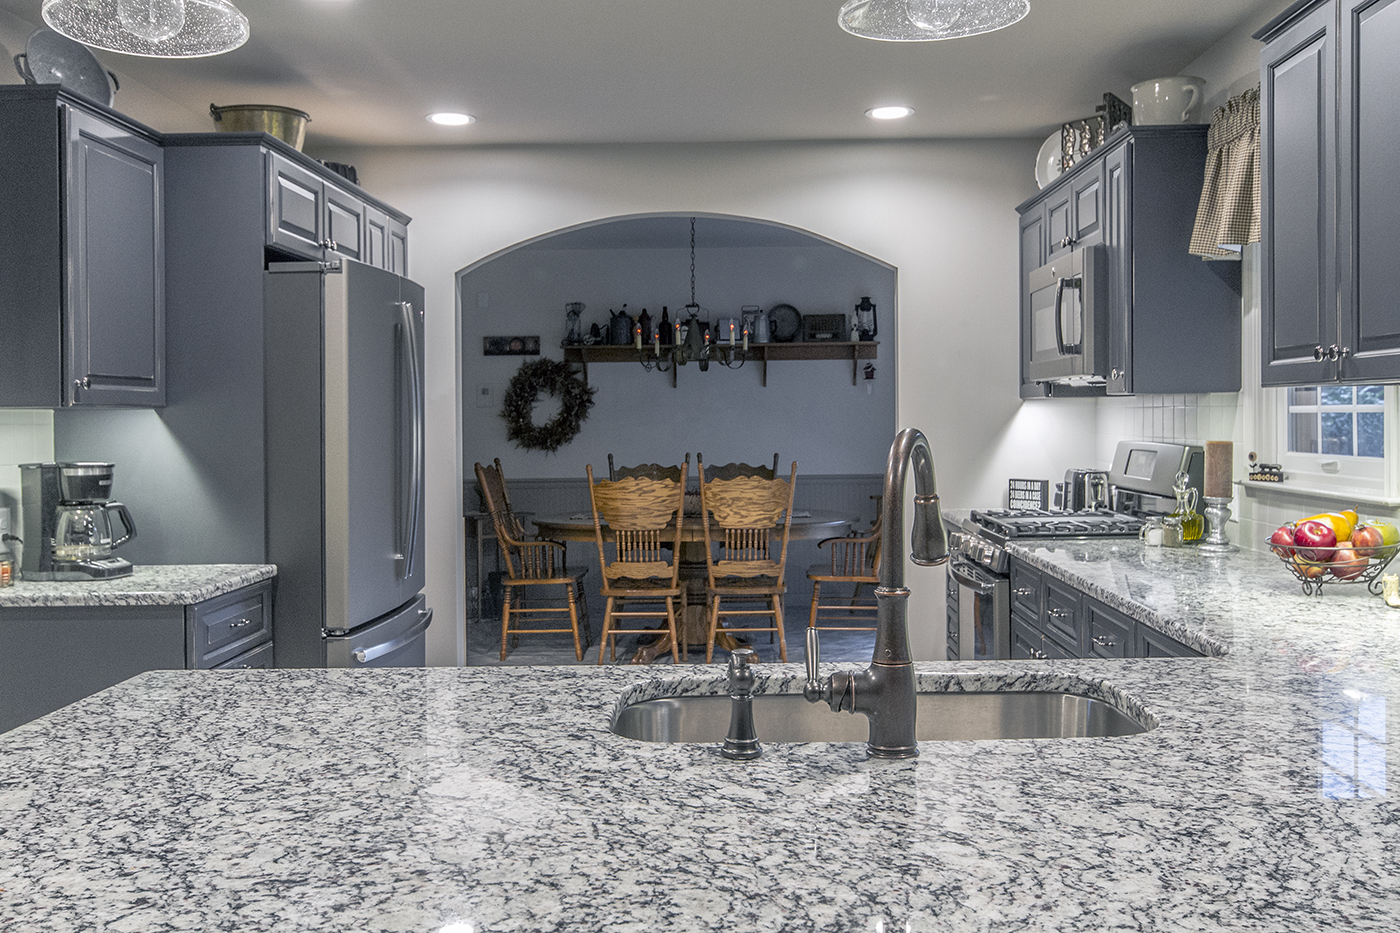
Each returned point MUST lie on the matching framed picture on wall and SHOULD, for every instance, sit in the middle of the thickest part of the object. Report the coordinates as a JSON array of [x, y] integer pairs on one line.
[[510, 346]]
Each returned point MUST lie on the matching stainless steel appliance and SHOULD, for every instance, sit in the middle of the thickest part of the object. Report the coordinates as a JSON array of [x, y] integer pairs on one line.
[[1068, 333], [343, 349], [67, 525], [979, 590], [1082, 490], [1143, 473]]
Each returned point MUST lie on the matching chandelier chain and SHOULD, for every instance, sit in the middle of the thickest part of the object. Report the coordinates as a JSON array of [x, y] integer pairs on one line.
[[692, 260]]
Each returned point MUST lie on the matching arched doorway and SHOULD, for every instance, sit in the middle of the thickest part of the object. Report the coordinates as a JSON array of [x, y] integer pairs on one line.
[[809, 410]]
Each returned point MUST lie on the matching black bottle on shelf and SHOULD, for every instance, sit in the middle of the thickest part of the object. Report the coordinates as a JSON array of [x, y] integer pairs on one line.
[[664, 331]]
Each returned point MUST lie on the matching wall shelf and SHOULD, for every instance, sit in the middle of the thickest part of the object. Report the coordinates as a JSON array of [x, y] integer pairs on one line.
[[758, 353]]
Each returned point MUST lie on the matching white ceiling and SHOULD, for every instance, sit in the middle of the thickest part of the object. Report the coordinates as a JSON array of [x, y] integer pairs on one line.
[[580, 71]]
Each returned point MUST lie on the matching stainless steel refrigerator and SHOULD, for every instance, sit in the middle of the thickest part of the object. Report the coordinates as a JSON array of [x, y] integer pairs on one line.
[[344, 454]]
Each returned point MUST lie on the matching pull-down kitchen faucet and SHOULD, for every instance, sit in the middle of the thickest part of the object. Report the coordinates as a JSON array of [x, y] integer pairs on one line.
[[884, 692]]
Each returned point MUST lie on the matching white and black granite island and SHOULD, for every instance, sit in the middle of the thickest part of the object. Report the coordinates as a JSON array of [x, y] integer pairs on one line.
[[64, 640], [497, 800]]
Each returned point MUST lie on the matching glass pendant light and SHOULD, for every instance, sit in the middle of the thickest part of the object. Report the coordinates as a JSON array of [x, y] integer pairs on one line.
[[924, 20], [154, 28]]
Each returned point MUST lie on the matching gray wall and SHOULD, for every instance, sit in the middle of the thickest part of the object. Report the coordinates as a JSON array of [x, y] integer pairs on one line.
[[809, 411]]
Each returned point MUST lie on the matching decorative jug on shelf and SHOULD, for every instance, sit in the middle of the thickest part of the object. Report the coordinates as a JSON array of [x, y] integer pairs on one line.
[[620, 327]]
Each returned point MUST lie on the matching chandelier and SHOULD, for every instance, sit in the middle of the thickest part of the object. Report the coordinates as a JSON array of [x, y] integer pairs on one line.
[[924, 20], [153, 28], [693, 338]]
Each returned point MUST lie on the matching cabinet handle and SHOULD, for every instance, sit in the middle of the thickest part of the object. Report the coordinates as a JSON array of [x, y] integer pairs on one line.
[[1113, 374], [1022, 591], [240, 623], [1039, 655], [1319, 354], [1067, 242], [1335, 352], [1103, 641], [329, 244], [1059, 613]]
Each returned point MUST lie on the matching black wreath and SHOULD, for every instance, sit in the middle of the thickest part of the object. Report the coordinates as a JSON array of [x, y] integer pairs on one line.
[[552, 377]]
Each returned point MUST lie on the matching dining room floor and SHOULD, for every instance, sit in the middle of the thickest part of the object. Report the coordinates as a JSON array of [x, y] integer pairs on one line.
[[484, 646]]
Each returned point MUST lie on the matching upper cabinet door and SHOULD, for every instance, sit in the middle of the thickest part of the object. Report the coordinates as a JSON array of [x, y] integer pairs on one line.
[[1298, 178], [296, 209], [345, 224], [1368, 190], [398, 247], [1118, 238], [115, 274]]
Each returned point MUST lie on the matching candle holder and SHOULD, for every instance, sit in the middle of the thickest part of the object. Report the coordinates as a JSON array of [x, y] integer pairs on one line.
[[1217, 512]]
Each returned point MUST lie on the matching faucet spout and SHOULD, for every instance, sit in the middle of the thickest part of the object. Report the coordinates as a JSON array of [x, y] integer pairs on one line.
[[885, 692]]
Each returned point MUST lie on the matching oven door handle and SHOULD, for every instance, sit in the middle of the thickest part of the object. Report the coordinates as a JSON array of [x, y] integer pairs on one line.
[[980, 587]]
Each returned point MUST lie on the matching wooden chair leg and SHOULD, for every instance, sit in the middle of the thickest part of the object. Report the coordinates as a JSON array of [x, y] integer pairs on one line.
[[607, 626], [778, 621], [505, 618], [816, 590], [714, 628], [573, 619], [671, 624]]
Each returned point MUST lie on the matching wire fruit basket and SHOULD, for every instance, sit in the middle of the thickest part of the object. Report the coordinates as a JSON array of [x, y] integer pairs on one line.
[[1314, 566]]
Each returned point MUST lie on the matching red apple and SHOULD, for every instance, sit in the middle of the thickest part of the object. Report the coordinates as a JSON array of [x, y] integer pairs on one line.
[[1347, 564], [1282, 541], [1367, 540], [1314, 539]]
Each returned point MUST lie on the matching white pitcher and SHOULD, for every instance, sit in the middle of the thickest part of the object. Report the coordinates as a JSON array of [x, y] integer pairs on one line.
[[1167, 100]]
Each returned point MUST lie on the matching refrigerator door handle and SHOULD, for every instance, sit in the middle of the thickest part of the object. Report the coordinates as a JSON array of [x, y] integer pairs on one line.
[[409, 349], [365, 655]]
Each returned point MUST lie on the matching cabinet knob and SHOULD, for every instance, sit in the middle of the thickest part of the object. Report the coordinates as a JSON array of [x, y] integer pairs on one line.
[[1114, 374], [1335, 352], [1067, 242], [1319, 354]]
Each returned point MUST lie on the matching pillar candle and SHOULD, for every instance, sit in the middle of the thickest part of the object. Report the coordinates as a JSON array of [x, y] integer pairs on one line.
[[656, 342], [1220, 468], [746, 340], [639, 338]]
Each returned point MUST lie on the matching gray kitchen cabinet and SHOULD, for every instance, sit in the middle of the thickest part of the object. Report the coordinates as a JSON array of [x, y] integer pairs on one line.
[[311, 217], [1330, 154], [82, 289], [1173, 320], [1052, 619], [51, 656]]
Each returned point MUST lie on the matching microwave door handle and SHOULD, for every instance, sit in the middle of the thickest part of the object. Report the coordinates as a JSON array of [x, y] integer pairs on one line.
[[1060, 285]]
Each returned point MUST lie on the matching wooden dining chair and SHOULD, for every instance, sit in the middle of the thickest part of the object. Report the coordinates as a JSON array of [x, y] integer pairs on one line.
[[641, 581], [538, 569], [747, 520], [732, 470], [647, 470], [854, 560]]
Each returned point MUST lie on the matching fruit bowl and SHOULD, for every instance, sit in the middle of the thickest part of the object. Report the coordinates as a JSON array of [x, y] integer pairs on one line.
[[1314, 566]]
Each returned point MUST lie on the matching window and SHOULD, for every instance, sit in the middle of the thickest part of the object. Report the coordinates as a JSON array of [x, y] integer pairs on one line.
[[1348, 421], [1338, 438]]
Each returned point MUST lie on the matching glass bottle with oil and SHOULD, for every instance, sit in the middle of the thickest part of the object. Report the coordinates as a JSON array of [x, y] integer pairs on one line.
[[1193, 524]]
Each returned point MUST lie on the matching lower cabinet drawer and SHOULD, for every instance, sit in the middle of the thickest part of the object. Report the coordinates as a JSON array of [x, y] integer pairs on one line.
[[1109, 634], [1062, 605], [228, 626], [1153, 644], [260, 658], [1025, 639]]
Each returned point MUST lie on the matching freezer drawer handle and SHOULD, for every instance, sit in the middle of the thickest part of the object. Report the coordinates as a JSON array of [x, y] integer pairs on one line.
[[365, 655]]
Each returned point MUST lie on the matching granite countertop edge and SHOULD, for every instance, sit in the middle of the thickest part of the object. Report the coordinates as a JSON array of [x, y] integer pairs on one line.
[[148, 585]]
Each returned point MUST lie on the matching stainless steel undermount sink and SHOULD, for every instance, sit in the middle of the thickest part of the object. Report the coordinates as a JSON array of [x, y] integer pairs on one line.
[[942, 716]]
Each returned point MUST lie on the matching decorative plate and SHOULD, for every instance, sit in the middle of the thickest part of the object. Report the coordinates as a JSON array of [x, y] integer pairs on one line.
[[786, 321], [1047, 161]]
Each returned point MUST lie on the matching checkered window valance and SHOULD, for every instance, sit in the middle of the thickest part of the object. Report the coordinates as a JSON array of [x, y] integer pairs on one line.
[[1228, 216]]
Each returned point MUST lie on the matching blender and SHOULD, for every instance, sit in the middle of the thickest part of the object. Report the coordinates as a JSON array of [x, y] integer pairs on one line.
[[67, 521]]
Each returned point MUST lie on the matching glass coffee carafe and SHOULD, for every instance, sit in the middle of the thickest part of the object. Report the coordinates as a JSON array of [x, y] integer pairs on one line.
[[83, 531]]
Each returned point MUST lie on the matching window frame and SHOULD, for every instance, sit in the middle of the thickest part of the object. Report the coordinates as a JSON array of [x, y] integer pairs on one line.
[[1371, 477]]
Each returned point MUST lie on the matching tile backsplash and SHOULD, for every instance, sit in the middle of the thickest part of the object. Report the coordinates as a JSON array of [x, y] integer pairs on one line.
[[26, 436], [1178, 419]]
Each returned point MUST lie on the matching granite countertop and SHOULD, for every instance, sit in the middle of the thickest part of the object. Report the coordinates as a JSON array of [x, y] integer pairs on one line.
[[148, 585], [495, 799]]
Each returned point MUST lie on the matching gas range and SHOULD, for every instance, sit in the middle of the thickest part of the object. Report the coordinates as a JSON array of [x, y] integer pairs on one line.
[[1002, 525]]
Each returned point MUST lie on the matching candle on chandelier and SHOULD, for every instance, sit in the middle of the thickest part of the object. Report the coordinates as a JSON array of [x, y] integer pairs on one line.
[[638, 341]]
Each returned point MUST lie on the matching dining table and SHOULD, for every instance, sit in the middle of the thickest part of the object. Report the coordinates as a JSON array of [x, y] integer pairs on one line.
[[694, 627]]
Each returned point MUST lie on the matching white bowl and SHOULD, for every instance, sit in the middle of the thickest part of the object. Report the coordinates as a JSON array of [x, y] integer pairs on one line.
[[1047, 160]]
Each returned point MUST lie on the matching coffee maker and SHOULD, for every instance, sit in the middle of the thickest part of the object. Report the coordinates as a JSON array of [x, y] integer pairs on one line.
[[67, 525]]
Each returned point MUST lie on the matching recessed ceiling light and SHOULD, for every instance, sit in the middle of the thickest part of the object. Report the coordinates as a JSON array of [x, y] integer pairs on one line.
[[451, 119], [889, 113]]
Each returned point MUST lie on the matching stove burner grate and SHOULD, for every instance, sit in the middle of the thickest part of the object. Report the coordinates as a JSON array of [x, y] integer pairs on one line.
[[1040, 523]]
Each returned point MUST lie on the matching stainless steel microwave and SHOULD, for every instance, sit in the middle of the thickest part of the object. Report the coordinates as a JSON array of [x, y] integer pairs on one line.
[[1068, 319]]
